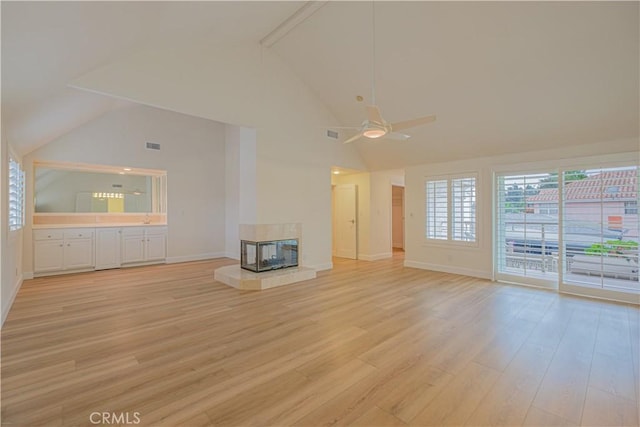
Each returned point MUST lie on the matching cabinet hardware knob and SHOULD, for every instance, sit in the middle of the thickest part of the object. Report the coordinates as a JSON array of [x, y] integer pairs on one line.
[[68, 244], [61, 245], [49, 236]]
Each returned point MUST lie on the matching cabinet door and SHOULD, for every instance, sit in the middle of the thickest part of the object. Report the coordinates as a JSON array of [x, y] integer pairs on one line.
[[132, 249], [156, 247], [78, 253], [48, 255], [107, 248]]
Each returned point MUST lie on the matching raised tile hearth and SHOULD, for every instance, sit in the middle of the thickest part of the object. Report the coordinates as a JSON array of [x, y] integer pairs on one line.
[[239, 278]]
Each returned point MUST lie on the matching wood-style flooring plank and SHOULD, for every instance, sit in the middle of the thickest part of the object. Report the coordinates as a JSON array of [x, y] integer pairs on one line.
[[366, 343]]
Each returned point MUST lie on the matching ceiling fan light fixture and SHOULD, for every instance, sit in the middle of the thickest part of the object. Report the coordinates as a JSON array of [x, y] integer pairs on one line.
[[374, 133]]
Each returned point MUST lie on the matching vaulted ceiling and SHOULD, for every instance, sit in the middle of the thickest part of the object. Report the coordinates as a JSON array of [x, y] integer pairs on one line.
[[500, 76]]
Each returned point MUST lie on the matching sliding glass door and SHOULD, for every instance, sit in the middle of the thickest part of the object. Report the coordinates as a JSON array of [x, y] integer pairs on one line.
[[600, 228], [527, 229], [573, 229]]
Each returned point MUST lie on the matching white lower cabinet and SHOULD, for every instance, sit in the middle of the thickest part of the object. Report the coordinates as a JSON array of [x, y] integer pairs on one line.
[[156, 244], [67, 250], [144, 244], [108, 248], [60, 250], [48, 255], [132, 248]]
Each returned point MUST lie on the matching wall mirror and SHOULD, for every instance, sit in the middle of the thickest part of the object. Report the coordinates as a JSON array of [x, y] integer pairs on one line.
[[81, 188]]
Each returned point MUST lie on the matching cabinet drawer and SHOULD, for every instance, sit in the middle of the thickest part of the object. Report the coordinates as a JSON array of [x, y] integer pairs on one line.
[[47, 234], [78, 234], [156, 231], [132, 231]]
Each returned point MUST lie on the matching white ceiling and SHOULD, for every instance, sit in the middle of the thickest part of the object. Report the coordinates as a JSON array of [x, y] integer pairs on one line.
[[46, 45], [500, 76]]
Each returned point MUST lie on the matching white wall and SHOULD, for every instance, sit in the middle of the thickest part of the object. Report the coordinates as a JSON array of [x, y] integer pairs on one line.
[[5, 289], [478, 261], [381, 212], [192, 152], [246, 85], [11, 246], [240, 184]]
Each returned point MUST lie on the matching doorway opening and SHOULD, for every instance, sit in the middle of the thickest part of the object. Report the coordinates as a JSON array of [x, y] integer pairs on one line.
[[397, 218]]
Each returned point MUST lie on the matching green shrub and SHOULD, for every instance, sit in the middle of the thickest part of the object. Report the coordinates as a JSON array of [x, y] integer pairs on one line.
[[611, 247]]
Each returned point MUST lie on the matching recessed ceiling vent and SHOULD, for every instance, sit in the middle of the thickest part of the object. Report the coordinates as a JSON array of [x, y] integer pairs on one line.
[[332, 134], [116, 185], [153, 146]]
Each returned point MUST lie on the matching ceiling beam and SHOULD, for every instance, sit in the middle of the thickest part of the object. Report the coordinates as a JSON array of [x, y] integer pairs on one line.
[[297, 18]]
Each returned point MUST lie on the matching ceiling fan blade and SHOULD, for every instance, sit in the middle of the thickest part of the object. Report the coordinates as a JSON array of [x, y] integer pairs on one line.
[[397, 136], [412, 123], [353, 138], [345, 127], [373, 114]]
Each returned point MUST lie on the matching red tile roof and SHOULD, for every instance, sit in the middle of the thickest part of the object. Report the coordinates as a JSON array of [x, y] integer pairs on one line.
[[610, 185]]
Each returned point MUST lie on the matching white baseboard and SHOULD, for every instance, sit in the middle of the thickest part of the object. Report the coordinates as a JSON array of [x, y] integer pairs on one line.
[[449, 269], [197, 257], [605, 294], [321, 267], [6, 305], [375, 257], [232, 256], [28, 275]]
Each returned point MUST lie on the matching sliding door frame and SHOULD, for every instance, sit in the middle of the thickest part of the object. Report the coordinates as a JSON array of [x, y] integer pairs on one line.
[[558, 166]]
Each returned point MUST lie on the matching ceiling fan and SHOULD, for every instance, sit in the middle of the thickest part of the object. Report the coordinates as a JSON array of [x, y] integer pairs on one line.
[[374, 126]]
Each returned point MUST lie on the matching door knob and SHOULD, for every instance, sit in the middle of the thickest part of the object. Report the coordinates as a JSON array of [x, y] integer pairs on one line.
[[353, 221]]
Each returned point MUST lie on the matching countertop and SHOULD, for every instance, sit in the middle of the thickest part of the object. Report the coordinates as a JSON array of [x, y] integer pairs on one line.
[[96, 225]]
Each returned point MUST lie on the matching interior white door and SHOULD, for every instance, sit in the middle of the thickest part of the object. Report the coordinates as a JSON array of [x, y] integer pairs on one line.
[[346, 220]]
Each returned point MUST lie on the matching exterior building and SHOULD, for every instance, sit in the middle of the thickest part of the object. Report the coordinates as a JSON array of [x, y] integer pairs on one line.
[[606, 200]]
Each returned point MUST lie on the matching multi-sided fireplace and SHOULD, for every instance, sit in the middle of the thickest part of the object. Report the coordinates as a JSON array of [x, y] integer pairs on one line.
[[266, 250], [269, 255]]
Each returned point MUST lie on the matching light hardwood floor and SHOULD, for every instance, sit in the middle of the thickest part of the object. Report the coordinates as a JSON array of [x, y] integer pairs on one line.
[[368, 343]]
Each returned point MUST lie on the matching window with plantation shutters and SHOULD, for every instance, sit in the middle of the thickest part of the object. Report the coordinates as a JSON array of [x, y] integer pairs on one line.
[[463, 218], [437, 210], [451, 209], [16, 195]]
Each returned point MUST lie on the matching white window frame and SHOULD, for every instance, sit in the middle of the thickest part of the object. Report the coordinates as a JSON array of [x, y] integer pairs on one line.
[[500, 273], [16, 202], [604, 161], [450, 213], [565, 285]]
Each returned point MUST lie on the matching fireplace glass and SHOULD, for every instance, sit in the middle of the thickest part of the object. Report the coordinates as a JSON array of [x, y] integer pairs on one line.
[[265, 256]]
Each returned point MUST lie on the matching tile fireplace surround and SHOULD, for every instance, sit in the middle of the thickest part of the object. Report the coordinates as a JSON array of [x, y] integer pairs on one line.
[[233, 275]]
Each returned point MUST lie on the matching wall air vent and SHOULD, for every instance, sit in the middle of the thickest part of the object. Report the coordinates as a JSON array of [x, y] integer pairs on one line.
[[116, 185], [153, 146], [332, 134]]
